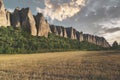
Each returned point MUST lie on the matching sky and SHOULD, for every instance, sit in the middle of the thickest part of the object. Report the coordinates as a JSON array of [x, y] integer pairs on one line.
[[96, 17]]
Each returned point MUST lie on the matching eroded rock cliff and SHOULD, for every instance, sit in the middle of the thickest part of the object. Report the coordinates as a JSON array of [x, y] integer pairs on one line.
[[28, 21], [43, 28], [4, 15], [16, 18], [71, 33], [96, 40]]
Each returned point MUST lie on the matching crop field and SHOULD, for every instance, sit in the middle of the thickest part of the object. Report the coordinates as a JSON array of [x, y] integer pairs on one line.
[[77, 65]]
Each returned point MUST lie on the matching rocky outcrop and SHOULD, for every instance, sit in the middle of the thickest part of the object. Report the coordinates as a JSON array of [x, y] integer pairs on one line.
[[43, 28], [37, 25], [79, 36], [4, 17], [54, 29], [25, 19], [96, 40], [102, 42], [88, 37], [105, 43], [28, 22], [71, 33], [59, 31], [64, 32], [16, 18], [8, 14]]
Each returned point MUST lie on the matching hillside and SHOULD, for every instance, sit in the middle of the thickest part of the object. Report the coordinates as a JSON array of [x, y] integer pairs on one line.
[[16, 40]]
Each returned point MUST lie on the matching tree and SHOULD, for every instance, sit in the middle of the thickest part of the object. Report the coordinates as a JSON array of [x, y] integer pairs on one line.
[[115, 45]]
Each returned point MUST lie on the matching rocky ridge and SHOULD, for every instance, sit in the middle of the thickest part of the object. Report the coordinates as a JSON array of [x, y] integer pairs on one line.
[[37, 25]]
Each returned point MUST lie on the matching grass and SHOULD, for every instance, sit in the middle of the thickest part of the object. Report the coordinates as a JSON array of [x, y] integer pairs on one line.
[[77, 65]]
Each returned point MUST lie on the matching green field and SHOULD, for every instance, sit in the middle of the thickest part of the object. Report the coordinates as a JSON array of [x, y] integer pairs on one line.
[[78, 65]]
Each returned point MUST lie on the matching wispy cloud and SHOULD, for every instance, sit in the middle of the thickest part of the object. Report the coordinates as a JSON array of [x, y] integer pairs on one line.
[[111, 23], [112, 30]]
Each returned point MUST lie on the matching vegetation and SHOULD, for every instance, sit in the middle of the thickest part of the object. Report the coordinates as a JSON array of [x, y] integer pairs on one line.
[[16, 40], [75, 65], [115, 46]]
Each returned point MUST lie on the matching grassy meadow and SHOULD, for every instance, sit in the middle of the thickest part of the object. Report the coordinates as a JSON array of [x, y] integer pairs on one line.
[[77, 65]]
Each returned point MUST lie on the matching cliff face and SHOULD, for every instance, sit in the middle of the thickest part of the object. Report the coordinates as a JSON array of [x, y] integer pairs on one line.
[[24, 18], [54, 29], [16, 18], [38, 26], [79, 36], [43, 28], [64, 32], [71, 33], [8, 14], [96, 40], [74, 34], [4, 15], [59, 30], [28, 21]]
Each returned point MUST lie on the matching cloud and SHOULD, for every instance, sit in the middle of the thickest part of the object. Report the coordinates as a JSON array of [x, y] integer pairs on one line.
[[110, 23], [95, 5], [95, 10], [61, 11], [112, 30], [111, 37], [10, 9]]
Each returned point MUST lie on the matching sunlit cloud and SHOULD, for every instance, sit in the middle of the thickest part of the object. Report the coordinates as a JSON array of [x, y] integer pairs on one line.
[[10, 9], [61, 11]]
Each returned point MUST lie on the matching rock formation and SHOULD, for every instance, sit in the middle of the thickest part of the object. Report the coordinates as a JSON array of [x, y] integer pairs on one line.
[[28, 21], [54, 29], [16, 18], [43, 28], [25, 19], [64, 32], [96, 40], [8, 14], [4, 17], [88, 37], [59, 31], [71, 33], [79, 36]]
